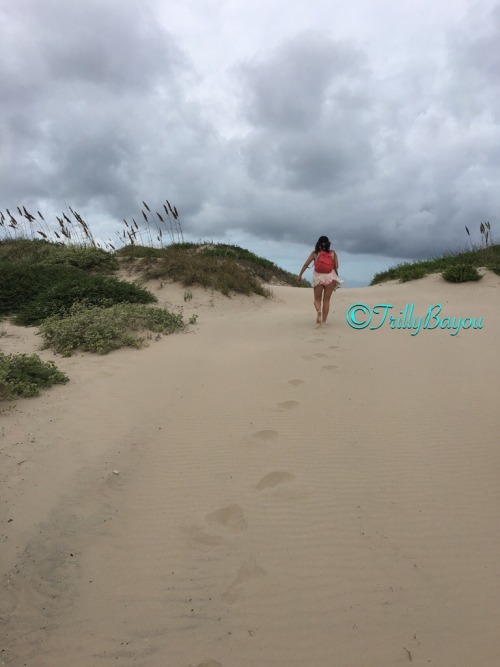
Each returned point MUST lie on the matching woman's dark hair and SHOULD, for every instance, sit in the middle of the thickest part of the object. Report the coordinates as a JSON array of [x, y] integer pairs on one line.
[[323, 243]]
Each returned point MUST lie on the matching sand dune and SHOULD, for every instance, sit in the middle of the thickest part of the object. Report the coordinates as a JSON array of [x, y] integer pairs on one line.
[[259, 492]]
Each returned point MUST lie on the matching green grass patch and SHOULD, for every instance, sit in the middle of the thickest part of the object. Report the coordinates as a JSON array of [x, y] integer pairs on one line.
[[142, 251], [235, 252], [23, 375], [101, 330], [45, 253]]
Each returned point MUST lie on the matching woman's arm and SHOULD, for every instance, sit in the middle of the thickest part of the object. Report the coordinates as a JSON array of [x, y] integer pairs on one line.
[[306, 266], [335, 262]]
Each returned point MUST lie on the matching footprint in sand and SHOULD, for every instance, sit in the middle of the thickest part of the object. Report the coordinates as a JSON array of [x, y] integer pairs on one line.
[[320, 355], [209, 663], [332, 347], [231, 517], [246, 572], [272, 479], [198, 538], [329, 367], [296, 381], [266, 435], [288, 405]]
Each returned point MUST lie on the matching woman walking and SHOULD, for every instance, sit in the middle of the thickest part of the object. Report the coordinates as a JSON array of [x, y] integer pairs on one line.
[[325, 279]]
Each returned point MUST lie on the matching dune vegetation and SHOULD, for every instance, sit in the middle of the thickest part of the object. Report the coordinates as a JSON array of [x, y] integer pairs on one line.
[[458, 266], [63, 280], [23, 375], [154, 249]]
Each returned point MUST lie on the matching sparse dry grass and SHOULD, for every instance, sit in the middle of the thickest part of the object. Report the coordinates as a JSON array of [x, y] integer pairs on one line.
[[156, 229]]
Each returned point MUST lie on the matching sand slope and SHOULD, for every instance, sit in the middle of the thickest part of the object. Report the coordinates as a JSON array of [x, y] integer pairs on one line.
[[286, 495]]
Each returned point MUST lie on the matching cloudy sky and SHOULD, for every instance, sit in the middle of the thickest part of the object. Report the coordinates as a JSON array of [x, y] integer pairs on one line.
[[266, 122]]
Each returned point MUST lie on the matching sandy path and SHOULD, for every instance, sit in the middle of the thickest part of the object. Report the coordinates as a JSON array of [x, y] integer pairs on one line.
[[285, 496]]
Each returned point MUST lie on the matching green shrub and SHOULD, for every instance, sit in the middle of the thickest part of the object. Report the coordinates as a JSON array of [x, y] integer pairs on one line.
[[140, 251], [22, 375], [461, 273], [411, 273], [495, 269], [382, 276], [234, 251], [402, 272], [34, 251], [102, 330], [87, 258], [20, 283], [89, 290]]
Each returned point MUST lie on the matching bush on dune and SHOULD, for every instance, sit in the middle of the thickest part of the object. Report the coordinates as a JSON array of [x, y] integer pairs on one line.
[[461, 273], [87, 290], [101, 330], [45, 253], [21, 283], [23, 375], [83, 257], [224, 274]]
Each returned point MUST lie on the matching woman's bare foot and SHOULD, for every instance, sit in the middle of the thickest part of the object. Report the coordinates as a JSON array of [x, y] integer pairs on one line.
[[318, 318]]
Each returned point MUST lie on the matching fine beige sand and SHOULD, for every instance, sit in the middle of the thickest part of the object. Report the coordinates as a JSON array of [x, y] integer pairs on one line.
[[258, 492]]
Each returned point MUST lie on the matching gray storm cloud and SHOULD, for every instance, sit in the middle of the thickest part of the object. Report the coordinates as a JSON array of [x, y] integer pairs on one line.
[[101, 107]]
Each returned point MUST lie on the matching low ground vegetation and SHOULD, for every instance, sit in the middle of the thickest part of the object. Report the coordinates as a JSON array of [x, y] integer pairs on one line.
[[69, 290], [23, 375], [460, 266], [101, 330], [72, 290], [61, 279]]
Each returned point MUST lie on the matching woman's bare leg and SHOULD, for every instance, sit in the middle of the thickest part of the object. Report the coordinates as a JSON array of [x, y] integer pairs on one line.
[[326, 301], [318, 293]]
